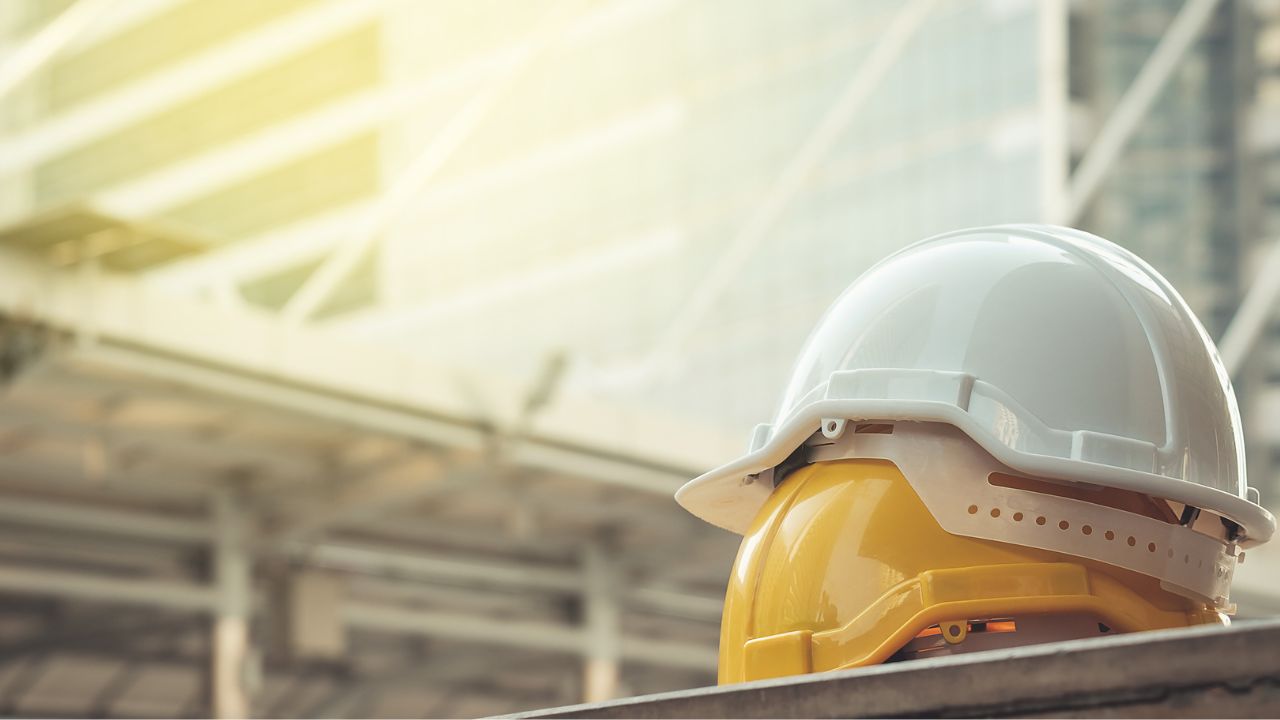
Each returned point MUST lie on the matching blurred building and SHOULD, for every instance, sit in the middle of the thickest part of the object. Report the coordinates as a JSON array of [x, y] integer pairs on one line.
[[619, 162], [1258, 132], [1193, 192], [380, 333]]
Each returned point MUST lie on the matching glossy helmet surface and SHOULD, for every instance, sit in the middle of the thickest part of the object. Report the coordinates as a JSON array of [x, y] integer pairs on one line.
[[1060, 353], [1011, 427]]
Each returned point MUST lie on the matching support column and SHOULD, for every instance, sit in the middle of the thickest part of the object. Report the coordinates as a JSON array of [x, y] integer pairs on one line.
[[232, 577], [88, 272], [601, 618]]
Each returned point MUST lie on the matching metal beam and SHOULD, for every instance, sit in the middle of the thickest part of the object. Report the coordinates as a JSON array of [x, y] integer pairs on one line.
[[574, 461], [192, 447], [1255, 311], [128, 523], [153, 484], [363, 558], [460, 626], [435, 566], [105, 588], [500, 601], [1133, 106], [525, 574], [50, 40], [356, 500], [535, 635], [680, 604], [670, 653], [259, 363], [254, 389], [405, 528], [360, 615]]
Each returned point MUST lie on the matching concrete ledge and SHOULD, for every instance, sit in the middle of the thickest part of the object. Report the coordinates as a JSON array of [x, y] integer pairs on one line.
[[1197, 672]]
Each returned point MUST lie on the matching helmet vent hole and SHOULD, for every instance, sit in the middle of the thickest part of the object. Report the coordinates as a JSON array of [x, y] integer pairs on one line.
[[1151, 547], [1087, 529], [1017, 517], [995, 512], [1064, 525], [1132, 541], [1041, 520], [973, 509], [1110, 535]]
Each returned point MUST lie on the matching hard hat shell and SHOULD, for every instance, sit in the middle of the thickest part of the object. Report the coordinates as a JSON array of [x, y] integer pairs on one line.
[[826, 579], [1063, 355]]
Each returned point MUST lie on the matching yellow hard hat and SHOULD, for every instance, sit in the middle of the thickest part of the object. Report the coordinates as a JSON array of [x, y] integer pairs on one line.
[[996, 437]]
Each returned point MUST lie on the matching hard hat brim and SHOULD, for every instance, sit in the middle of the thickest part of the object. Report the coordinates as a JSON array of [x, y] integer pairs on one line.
[[731, 495]]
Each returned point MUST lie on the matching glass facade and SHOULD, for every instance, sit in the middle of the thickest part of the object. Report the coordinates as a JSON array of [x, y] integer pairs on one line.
[[1194, 190], [596, 199], [625, 150], [1172, 196]]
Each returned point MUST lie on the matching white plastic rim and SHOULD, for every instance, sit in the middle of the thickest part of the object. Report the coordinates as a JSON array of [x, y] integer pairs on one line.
[[950, 474], [1062, 355]]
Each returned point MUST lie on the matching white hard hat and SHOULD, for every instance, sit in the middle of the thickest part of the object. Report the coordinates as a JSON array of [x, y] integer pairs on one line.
[[1063, 355]]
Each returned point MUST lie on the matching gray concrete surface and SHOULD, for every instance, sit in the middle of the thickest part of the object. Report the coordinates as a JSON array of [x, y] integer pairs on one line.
[[1198, 672]]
